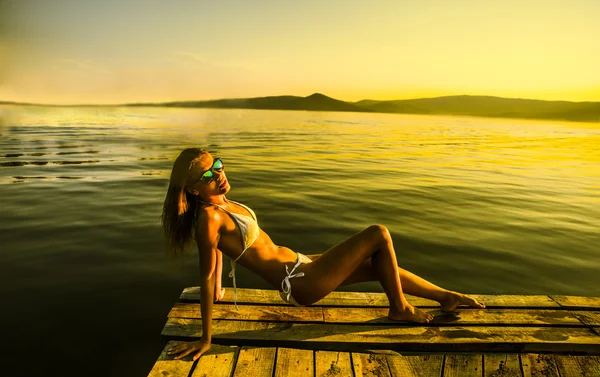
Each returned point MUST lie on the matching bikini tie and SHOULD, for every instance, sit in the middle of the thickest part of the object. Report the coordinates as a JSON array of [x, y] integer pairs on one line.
[[232, 275], [286, 286]]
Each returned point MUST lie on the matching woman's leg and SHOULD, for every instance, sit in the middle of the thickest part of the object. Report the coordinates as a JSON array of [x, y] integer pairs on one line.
[[416, 286], [411, 283], [334, 266]]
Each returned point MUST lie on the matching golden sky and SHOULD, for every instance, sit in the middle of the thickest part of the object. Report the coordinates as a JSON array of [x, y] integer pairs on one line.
[[117, 51]]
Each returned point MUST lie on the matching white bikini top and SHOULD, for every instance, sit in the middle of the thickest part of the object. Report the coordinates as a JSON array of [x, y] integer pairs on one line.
[[249, 231]]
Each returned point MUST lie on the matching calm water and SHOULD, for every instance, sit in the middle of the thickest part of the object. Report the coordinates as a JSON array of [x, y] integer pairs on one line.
[[496, 206]]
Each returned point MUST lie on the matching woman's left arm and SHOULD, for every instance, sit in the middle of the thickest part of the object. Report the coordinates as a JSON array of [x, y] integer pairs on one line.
[[219, 292]]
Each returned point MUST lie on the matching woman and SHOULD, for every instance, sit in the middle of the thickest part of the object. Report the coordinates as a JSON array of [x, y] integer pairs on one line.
[[196, 206]]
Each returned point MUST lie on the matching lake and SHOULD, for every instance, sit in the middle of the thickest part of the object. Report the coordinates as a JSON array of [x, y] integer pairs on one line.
[[478, 205]]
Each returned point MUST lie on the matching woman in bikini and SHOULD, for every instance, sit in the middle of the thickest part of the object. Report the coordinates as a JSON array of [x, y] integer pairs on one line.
[[196, 208]]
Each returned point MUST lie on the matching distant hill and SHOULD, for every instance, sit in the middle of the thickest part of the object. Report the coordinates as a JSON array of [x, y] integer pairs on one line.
[[486, 106], [483, 106], [314, 102]]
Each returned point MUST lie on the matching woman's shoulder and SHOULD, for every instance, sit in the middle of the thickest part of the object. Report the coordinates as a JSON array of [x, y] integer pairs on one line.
[[207, 210], [209, 214]]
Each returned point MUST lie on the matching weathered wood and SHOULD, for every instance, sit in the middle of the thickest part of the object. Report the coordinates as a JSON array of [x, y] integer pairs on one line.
[[346, 322], [491, 301], [370, 299], [292, 362], [395, 337], [415, 366], [165, 366], [335, 298], [244, 295], [462, 365], [331, 363], [516, 301], [501, 365], [460, 317], [559, 317], [251, 312], [578, 302], [255, 362], [373, 299], [577, 366], [218, 361], [588, 317], [370, 365], [535, 365], [590, 365]]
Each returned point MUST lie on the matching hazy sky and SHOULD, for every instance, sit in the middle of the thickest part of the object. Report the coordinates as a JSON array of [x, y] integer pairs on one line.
[[115, 51]]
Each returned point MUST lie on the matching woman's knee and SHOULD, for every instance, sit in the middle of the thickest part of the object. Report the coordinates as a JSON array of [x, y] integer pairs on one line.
[[379, 233]]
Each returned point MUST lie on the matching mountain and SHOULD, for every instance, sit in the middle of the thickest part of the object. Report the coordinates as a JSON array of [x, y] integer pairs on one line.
[[314, 102], [487, 106], [483, 106]]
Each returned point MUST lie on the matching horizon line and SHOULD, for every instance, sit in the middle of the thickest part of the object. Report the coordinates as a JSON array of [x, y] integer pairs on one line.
[[281, 95]]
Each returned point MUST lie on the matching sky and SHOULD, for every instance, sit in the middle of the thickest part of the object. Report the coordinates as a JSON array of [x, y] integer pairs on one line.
[[123, 51]]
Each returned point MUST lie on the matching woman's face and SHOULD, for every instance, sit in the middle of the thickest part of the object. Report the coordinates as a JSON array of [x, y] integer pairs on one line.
[[217, 185]]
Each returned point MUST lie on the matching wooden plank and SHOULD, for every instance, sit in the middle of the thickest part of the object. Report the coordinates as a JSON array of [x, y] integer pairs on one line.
[[577, 302], [397, 337], [516, 301], [292, 362], [535, 365], [537, 317], [415, 366], [331, 363], [244, 295], [501, 365], [590, 365], [588, 317], [218, 361], [251, 312], [271, 296], [576, 366], [463, 365], [370, 365], [165, 366], [255, 362], [372, 299], [369, 299]]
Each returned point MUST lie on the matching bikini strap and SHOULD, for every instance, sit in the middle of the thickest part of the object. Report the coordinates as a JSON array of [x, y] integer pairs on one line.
[[213, 204], [232, 275], [250, 211]]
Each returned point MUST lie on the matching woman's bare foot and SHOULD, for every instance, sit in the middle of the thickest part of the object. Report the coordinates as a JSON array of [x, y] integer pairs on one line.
[[409, 314], [453, 299]]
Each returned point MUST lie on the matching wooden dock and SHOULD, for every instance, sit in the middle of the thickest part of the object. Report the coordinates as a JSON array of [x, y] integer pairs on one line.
[[348, 334]]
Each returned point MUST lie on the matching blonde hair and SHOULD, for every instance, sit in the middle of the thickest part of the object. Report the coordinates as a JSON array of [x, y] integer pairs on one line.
[[179, 209]]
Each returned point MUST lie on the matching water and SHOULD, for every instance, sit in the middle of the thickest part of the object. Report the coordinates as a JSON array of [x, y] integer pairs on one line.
[[493, 206]]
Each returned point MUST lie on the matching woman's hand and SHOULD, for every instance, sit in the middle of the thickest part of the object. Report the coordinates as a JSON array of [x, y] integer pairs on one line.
[[219, 295], [184, 349]]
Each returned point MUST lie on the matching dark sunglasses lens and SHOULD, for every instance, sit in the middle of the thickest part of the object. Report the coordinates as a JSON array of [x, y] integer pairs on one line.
[[207, 177], [218, 165]]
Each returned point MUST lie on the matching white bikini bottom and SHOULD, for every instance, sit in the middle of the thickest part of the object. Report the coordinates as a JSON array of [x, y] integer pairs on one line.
[[286, 286]]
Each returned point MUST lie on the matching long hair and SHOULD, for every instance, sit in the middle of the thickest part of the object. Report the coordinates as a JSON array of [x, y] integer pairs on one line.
[[179, 209]]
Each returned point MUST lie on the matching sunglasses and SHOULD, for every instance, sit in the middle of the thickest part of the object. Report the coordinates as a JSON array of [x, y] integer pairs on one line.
[[208, 176]]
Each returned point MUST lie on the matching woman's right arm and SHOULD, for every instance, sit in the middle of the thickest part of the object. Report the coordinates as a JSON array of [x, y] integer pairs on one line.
[[207, 239]]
